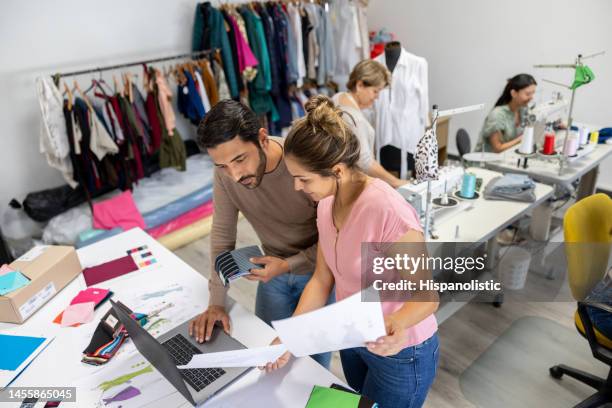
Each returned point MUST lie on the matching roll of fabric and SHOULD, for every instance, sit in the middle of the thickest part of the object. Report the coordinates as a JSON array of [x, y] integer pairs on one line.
[[178, 207], [187, 235], [183, 220]]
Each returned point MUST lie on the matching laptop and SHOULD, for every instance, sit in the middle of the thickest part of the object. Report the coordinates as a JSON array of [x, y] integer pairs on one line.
[[175, 348]]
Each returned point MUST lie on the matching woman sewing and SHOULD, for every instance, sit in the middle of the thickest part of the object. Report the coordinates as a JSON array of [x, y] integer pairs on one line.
[[367, 79], [503, 126]]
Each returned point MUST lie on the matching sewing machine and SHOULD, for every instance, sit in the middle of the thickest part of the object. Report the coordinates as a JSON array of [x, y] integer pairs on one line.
[[541, 114], [449, 181]]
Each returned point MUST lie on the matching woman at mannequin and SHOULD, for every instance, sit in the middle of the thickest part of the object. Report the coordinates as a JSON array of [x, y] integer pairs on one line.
[[322, 153], [367, 79], [503, 126]]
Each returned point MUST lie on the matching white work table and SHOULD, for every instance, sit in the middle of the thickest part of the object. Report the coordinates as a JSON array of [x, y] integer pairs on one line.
[[482, 219], [546, 170], [60, 364], [479, 222]]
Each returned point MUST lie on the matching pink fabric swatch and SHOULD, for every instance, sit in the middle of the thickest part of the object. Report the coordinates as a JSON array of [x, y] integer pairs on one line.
[[5, 269], [183, 220], [119, 211], [95, 295], [78, 313]]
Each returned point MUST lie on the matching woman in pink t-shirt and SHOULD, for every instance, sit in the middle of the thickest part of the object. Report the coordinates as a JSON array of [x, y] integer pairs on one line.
[[321, 153]]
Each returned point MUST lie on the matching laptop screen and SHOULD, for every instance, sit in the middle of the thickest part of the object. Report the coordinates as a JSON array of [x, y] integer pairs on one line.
[[150, 348]]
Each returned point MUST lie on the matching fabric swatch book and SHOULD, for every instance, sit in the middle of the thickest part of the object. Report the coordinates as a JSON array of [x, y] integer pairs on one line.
[[231, 265]]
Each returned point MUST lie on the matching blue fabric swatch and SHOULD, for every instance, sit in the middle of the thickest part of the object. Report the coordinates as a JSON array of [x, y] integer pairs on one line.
[[10, 282], [16, 349]]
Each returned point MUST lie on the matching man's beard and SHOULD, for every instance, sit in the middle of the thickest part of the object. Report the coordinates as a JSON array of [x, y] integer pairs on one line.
[[261, 169]]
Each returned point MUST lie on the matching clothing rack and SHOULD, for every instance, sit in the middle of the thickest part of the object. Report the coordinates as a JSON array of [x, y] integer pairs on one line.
[[132, 64]]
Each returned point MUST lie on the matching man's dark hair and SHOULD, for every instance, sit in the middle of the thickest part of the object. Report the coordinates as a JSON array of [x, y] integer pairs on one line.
[[226, 120]]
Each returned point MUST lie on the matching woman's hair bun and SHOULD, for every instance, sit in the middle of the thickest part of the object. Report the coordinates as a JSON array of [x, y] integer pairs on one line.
[[322, 114]]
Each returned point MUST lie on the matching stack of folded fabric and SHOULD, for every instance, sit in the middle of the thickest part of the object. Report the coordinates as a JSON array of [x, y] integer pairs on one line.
[[512, 187], [174, 207]]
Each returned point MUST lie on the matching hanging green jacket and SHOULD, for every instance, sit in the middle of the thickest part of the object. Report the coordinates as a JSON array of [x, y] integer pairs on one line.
[[259, 88], [209, 33]]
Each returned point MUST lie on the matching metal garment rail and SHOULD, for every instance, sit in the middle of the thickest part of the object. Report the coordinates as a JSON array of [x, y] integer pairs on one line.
[[132, 64]]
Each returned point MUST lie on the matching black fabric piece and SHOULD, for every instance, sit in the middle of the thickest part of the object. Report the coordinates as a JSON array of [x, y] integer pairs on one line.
[[391, 159], [306, 28]]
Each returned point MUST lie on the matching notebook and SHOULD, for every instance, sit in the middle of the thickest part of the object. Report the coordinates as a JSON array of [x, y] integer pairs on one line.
[[338, 397], [231, 265]]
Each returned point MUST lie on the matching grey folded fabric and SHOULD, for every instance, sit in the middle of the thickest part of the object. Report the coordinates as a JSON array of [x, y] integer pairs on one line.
[[512, 187]]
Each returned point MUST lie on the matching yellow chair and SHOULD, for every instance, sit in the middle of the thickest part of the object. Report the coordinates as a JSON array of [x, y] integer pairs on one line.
[[587, 228]]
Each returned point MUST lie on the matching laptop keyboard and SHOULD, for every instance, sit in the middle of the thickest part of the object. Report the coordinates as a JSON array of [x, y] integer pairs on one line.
[[181, 351]]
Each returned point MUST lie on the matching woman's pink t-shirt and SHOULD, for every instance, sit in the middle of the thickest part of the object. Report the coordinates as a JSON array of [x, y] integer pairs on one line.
[[379, 215]]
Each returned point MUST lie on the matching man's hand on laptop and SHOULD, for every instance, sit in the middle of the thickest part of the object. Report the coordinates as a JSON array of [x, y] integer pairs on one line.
[[202, 326], [273, 267], [280, 362]]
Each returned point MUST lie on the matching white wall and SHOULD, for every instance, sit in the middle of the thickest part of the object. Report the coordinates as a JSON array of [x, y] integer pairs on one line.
[[42, 37], [473, 46]]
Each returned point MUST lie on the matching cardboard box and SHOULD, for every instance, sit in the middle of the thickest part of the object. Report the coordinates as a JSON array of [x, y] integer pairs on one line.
[[50, 269]]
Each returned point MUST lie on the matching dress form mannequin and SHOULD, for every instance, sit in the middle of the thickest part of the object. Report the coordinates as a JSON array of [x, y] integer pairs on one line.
[[390, 156], [393, 50]]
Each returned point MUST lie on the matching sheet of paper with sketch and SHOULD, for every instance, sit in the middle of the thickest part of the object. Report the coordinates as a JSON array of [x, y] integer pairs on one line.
[[231, 265], [345, 324]]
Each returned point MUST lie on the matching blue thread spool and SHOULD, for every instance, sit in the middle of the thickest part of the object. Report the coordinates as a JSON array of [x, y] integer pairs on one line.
[[468, 187]]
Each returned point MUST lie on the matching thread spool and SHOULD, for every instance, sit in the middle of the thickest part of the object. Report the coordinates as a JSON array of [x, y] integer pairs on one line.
[[527, 141], [584, 135], [549, 143], [594, 137], [444, 199], [571, 145], [468, 187]]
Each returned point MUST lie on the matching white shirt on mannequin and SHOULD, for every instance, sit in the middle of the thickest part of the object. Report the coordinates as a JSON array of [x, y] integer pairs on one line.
[[401, 109]]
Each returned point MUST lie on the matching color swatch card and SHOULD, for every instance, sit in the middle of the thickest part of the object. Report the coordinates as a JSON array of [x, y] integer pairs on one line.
[[11, 281], [235, 264], [142, 256]]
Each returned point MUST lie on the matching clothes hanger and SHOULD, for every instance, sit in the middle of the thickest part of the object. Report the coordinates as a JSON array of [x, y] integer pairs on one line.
[[145, 78], [68, 92], [127, 86], [85, 98], [115, 84]]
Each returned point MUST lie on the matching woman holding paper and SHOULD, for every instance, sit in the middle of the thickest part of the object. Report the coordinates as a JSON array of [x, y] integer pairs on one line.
[[321, 153], [503, 126]]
